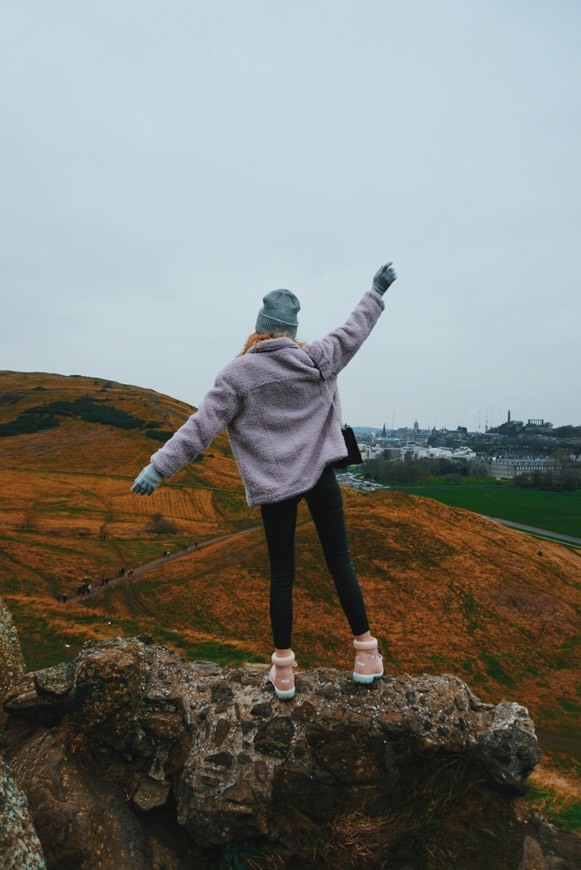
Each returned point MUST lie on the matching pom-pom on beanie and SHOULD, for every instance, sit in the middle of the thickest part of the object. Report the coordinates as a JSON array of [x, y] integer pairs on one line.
[[279, 313]]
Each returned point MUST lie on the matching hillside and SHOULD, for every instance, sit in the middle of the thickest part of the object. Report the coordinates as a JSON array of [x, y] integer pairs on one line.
[[70, 448], [446, 590]]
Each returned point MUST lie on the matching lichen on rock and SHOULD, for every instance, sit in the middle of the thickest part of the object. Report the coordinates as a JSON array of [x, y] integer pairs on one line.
[[20, 847]]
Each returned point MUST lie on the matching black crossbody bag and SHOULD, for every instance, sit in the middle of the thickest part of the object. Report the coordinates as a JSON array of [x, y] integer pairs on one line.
[[353, 454]]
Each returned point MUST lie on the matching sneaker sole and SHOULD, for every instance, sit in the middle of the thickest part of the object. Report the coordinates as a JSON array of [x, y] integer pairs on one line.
[[282, 694], [366, 678]]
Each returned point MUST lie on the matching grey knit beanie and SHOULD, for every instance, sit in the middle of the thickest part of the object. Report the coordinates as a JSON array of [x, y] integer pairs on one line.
[[279, 313]]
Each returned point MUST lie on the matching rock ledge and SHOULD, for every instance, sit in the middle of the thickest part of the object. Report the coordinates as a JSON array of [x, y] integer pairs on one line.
[[129, 732]]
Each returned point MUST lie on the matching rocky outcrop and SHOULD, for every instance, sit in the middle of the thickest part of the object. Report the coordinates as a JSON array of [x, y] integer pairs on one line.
[[20, 847], [11, 660], [19, 844], [181, 763]]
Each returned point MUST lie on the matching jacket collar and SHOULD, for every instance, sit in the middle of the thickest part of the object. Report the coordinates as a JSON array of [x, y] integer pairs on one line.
[[271, 344]]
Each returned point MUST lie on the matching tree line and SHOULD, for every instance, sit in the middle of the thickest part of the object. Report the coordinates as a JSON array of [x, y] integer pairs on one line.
[[558, 476], [554, 478], [424, 470]]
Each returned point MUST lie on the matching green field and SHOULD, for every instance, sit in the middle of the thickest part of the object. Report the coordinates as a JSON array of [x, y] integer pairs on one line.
[[555, 511]]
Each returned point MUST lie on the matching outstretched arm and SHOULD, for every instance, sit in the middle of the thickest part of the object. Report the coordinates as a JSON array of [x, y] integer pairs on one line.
[[147, 481], [216, 410]]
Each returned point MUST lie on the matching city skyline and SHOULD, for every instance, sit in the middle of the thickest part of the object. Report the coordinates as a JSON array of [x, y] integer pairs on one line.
[[527, 421]]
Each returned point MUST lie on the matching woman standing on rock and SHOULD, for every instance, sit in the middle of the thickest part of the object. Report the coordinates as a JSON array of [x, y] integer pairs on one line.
[[285, 432]]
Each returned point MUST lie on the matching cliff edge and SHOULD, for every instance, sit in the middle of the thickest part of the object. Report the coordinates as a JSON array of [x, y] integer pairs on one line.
[[132, 757]]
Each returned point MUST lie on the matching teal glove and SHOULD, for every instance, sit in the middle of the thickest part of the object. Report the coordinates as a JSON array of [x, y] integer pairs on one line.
[[147, 481], [384, 278]]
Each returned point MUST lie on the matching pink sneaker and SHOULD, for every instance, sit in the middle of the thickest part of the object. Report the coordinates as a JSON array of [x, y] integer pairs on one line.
[[368, 662], [281, 675]]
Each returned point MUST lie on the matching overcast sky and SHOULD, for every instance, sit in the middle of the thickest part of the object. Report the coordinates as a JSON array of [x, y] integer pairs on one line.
[[164, 165]]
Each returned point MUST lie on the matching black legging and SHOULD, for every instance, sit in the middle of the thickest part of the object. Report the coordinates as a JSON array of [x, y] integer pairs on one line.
[[326, 506]]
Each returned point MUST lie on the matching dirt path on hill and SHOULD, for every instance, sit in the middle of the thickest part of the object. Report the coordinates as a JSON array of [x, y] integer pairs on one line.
[[134, 573], [545, 533]]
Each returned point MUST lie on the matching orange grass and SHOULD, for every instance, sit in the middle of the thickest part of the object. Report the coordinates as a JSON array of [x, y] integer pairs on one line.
[[445, 589], [556, 791]]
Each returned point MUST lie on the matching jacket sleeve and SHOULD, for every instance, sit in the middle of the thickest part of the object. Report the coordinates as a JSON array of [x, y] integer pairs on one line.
[[218, 407], [335, 350]]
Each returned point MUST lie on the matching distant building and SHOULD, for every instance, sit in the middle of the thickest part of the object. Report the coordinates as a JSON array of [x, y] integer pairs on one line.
[[514, 424], [369, 451], [413, 436], [413, 451], [509, 468]]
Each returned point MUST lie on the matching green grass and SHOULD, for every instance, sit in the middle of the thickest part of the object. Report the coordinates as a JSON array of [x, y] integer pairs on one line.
[[44, 644], [556, 511], [570, 706], [495, 670], [564, 815], [562, 811], [223, 653]]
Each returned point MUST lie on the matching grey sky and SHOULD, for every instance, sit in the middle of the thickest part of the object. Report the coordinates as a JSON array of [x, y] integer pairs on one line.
[[166, 164]]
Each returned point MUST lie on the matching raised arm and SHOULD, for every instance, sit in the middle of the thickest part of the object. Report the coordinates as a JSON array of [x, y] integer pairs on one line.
[[335, 350]]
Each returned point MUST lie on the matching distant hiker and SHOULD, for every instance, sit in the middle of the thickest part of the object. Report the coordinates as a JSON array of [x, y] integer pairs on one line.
[[280, 403], [121, 572]]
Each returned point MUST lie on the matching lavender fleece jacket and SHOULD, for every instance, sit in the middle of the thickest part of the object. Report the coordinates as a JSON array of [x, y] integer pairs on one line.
[[281, 424]]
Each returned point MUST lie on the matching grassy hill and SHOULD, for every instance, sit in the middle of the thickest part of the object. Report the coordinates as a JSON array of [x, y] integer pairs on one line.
[[70, 448], [446, 590], [555, 511]]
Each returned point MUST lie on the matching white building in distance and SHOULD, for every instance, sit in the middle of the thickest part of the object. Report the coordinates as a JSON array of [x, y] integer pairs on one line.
[[509, 468]]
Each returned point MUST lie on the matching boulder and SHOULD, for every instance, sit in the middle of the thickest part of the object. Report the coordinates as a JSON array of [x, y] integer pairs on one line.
[[132, 740]]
